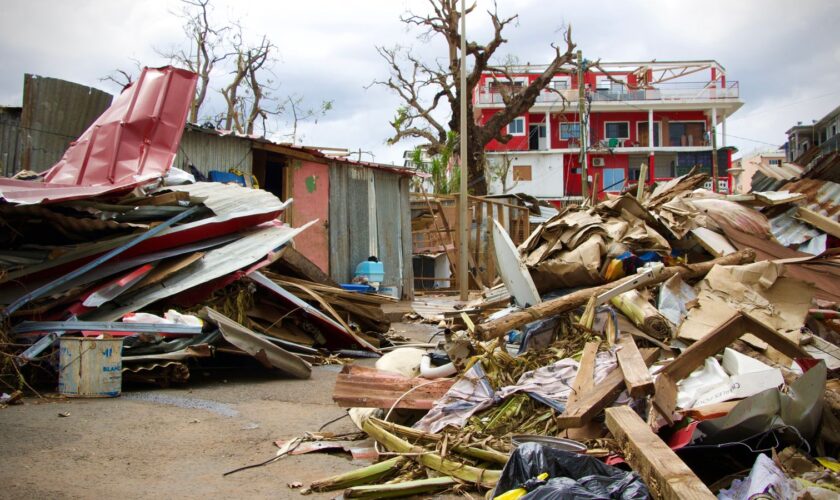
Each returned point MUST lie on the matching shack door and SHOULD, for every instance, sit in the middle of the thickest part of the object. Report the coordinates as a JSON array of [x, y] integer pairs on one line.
[[310, 189]]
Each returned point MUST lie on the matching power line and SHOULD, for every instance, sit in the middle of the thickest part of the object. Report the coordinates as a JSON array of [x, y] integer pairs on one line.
[[754, 113]]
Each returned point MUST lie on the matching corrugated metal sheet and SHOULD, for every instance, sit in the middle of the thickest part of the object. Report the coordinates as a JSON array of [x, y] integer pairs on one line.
[[207, 151], [55, 113], [251, 247], [369, 215], [790, 231], [132, 142], [822, 196], [11, 144], [230, 199]]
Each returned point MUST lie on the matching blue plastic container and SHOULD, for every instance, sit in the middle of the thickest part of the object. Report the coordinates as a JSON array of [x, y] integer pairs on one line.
[[373, 271]]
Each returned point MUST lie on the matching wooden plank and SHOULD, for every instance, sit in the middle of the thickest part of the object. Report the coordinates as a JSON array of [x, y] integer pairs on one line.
[[358, 386], [636, 375], [819, 221], [665, 400], [666, 476], [298, 264], [166, 269], [172, 198], [584, 380], [498, 327], [715, 243], [580, 412], [709, 411]]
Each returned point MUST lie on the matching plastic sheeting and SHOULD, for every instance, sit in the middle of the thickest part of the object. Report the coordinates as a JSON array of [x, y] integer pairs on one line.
[[570, 475], [473, 392]]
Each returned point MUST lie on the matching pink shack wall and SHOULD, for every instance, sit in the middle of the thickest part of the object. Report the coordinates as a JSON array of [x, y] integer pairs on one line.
[[310, 182]]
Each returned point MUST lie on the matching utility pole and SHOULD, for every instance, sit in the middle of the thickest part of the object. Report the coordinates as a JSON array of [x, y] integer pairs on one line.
[[714, 152], [584, 174], [463, 240]]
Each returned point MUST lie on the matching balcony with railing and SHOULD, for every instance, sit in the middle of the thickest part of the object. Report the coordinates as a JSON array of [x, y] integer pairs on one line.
[[667, 91]]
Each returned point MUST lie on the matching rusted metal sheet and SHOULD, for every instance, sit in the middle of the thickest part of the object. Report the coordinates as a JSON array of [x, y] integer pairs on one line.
[[132, 142], [55, 112], [357, 386], [216, 263]]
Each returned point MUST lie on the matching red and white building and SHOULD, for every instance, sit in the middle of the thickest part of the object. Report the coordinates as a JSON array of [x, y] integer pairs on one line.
[[657, 113]]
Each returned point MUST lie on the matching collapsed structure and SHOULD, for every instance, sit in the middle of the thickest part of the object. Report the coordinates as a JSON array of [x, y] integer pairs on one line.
[[660, 342], [656, 344]]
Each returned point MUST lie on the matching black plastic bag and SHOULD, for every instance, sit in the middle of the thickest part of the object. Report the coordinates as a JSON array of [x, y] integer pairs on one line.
[[571, 475]]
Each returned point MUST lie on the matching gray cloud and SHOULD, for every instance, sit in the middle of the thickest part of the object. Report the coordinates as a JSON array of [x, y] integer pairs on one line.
[[784, 54]]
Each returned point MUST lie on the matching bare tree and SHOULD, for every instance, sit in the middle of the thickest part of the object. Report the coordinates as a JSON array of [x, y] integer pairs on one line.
[[424, 87], [295, 108], [249, 87], [214, 48], [498, 169], [204, 51]]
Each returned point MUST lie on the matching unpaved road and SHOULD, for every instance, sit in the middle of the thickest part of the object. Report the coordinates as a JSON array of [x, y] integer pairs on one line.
[[172, 443]]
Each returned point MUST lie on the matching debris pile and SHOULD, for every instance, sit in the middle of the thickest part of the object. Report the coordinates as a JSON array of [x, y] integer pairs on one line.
[[668, 347], [113, 244]]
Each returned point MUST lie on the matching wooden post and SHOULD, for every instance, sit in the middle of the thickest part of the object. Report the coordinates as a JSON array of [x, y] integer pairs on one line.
[[583, 410], [666, 476], [463, 284], [636, 375], [581, 120], [499, 327], [640, 191]]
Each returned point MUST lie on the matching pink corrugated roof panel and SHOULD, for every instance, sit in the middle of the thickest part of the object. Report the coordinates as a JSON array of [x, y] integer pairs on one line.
[[132, 142]]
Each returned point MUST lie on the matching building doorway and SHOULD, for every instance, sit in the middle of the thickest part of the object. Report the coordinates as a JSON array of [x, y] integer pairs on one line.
[[537, 137]]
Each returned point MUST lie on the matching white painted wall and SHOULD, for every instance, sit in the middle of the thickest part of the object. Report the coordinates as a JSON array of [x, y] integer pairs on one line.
[[546, 174]]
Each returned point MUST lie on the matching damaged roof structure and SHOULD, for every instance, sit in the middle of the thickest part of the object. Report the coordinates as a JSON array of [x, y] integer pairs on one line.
[[672, 342], [111, 243]]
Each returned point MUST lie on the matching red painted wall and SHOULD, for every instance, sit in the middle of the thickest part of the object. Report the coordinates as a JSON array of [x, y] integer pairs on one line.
[[311, 194]]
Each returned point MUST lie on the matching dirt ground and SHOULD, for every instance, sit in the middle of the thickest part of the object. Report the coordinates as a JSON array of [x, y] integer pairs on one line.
[[176, 442]]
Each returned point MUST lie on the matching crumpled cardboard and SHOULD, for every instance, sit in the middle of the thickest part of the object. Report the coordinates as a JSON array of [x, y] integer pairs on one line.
[[757, 289]]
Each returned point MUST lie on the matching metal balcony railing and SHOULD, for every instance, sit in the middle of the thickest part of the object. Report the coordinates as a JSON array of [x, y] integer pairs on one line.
[[669, 91]]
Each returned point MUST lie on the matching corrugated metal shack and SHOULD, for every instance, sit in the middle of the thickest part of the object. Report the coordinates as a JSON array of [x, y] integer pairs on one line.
[[363, 209], [53, 113]]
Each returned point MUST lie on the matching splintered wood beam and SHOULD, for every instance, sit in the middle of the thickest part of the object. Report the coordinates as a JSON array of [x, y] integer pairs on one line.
[[584, 380], [819, 221], [636, 375], [172, 198], [501, 326], [666, 476], [579, 412], [665, 399]]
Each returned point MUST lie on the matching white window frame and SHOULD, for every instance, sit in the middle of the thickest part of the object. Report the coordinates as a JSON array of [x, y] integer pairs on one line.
[[565, 79], [605, 83], [656, 123], [560, 131], [620, 138], [502, 80], [524, 128], [706, 128]]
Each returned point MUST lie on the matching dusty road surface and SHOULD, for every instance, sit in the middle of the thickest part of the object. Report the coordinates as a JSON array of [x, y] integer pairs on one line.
[[172, 443]]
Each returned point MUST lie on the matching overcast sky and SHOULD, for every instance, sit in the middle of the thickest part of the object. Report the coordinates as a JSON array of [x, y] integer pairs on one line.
[[785, 54]]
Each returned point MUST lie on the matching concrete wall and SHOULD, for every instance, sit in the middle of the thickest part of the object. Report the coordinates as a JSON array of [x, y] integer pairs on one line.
[[546, 174]]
